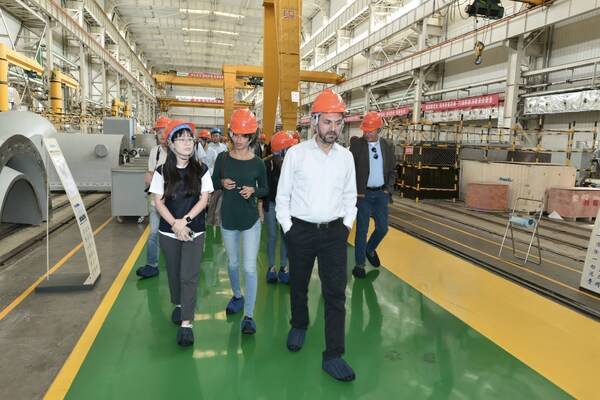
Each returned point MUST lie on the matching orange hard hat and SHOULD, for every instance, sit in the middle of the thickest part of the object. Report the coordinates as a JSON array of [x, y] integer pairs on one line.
[[371, 122], [176, 125], [161, 122], [193, 126], [204, 133], [328, 101], [282, 140], [243, 121], [262, 136]]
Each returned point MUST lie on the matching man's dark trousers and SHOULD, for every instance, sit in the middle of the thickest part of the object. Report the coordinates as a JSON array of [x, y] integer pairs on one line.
[[328, 245], [375, 203]]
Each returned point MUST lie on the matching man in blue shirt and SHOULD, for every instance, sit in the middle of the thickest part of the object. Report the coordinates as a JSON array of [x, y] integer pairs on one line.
[[375, 166]]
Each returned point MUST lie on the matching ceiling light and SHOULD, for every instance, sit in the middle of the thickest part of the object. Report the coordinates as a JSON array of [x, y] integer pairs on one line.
[[195, 29], [206, 12], [224, 14], [205, 42], [208, 30], [192, 11], [227, 33]]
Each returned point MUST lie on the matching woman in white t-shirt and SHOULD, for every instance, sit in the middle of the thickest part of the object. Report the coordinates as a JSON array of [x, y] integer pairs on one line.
[[181, 187]]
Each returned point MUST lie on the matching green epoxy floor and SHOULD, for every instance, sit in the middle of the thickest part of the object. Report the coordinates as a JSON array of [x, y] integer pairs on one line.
[[401, 345]]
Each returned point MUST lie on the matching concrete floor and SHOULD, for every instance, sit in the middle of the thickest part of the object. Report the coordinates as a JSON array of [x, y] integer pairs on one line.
[[37, 336]]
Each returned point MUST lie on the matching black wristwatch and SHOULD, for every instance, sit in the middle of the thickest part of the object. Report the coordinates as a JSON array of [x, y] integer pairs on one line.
[[188, 219]]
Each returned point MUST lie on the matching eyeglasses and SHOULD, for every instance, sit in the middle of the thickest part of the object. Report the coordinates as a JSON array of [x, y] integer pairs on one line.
[[184, 140], [375, 155]]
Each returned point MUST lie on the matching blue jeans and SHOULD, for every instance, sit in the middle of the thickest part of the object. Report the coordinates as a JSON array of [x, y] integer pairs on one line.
[[272, 230], [250, 240], [153, 251], [375, 203]]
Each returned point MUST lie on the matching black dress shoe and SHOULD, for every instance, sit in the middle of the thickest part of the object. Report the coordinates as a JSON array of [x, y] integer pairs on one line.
[[374, 259]]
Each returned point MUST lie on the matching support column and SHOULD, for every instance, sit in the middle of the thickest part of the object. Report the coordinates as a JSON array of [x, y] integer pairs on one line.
[[270, 68], [229, 82], [419, 74], [128, 101], [513, 78], [367, 91], [3, 79], [49, 39], [288, 13], [83, 86]]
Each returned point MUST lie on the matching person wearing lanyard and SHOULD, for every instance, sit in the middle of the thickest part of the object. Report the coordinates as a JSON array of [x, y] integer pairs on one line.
[[181, 187], [158, 155], [243, 179], [316, 199], [375, 176], [280, 143]]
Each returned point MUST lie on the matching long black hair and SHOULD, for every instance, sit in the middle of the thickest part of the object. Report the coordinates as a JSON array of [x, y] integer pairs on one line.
[[192, 180]]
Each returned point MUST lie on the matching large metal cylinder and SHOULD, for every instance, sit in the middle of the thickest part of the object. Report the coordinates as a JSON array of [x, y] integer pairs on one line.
[[23, 177], [56, 97]]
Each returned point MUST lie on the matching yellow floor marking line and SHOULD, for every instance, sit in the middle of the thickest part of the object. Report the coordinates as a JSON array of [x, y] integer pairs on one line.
[[61, 384], [56, 266]]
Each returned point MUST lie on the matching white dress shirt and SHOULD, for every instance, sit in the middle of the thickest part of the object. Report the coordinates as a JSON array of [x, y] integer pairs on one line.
[[315, 186]]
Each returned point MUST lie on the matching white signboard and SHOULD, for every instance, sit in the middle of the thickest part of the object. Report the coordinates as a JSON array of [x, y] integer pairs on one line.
[[590, 278], [85, 228], [296, 97]]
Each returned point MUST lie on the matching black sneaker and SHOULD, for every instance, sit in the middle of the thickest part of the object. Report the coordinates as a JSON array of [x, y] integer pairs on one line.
[[147, 271], [359, 272], [248, 326], [295, 339], [176, 316], [374, 259], [185, 336]]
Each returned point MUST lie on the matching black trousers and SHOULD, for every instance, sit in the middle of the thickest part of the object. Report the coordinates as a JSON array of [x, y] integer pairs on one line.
[[305, 243], [183, 269]]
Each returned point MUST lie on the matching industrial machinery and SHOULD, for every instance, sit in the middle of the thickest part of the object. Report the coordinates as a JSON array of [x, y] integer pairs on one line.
[[90, 159], [23, 177], [491, 9]]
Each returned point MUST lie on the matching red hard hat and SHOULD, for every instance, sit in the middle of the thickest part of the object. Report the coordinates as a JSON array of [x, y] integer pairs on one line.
[[204, 133], [243, 121], [282, 140], [371, 122], [328, 101], [161, 122], [176, 125]]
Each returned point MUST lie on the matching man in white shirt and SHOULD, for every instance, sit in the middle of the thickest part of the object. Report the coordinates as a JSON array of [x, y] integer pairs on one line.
[[158, 156], [210, 153], [316, 198], [216, 144]]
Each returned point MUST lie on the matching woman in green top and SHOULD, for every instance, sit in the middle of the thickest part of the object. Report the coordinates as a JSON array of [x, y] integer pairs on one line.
[[242, 176]]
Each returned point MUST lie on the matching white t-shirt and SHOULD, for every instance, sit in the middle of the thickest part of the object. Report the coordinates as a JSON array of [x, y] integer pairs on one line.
[[200, 153], [152, 160], [158, 187]]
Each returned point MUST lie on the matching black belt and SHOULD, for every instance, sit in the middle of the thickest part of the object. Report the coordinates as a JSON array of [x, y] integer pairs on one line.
[[319, 225], [375, 189]]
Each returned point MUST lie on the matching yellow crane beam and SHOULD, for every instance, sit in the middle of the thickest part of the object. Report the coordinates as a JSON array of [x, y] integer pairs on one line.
[[11, 57], [167, 102], [193, 81]]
